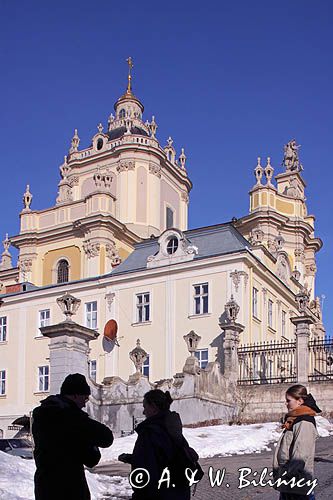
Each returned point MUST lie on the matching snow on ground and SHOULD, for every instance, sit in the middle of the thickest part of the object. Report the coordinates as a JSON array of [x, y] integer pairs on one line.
[[17, 481], [222, 440], [16, 478]]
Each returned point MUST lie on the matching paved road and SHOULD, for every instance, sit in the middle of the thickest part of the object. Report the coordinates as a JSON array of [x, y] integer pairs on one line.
[[257, 462]]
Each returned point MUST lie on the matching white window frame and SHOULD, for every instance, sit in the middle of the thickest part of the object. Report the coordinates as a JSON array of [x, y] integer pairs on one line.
[[146, 364], [43, 378], [43, 321], [200, 296], [198, 354], [3, 382], [93, 369], [270, 319], [3, 328], [90, 321], [144, 318], [255, 303]]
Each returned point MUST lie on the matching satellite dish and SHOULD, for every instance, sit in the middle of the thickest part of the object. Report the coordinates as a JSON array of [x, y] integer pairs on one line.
[[110, 331]]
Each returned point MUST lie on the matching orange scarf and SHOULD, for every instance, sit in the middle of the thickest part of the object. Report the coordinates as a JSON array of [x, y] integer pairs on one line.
[[293, 414]]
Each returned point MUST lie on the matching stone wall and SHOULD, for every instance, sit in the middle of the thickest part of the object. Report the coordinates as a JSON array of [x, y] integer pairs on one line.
[[266, 403]]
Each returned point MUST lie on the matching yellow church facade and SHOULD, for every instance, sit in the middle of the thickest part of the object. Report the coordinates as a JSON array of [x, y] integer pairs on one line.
[[117, 238]]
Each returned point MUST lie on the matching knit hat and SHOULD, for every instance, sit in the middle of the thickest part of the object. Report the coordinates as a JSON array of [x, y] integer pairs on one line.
[[75, 383]]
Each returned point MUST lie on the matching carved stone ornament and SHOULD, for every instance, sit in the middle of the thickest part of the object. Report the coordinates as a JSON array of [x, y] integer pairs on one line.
[[236, 278], [6, 245], [68, 305], [73, 181], [153, 127], [302, 300], [299, 254], [185, 197], [316, 308], [174, 247], [258, 172], [75, 142], [192, 340], [280, 241], [257, 236], [25, 264], [283, 267], [269, 170], [112, 253], [296, 274], [91, 248], [109, 297], [65, 192], [64, 169], [98, 178], [291, 159], [311, 269], [6, 258], [155, 169], [272, 246], [231, 309], [138, 356], [124, 166], [182, 159], [27, 199]]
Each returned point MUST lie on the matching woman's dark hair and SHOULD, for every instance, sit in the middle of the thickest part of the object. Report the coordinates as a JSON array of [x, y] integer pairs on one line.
[[162, 400], [297, 391]]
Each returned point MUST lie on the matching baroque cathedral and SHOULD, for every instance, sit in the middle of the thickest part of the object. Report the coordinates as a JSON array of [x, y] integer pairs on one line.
[[117, 239]]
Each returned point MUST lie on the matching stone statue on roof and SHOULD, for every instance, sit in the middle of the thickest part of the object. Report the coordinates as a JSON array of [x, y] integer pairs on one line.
[[291, 159]]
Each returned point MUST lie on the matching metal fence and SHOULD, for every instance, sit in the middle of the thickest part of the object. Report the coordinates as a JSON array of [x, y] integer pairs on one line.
[[321, 359], [267, 363]]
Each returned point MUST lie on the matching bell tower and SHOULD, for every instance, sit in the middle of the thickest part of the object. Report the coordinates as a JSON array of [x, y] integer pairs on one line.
[[121, 189], [279, 222]]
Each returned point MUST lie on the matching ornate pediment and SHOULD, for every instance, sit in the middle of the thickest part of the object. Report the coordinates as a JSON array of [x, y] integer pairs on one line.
[[174, 247]]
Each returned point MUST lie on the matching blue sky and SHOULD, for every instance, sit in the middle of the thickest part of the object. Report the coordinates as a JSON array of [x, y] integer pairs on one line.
[[229, 81]]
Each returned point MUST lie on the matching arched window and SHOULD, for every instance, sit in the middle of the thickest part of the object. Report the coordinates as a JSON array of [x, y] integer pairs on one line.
[[122, 113], [62, 271]]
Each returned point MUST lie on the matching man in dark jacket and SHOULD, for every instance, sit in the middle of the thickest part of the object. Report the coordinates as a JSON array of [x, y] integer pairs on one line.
[[66, 439]]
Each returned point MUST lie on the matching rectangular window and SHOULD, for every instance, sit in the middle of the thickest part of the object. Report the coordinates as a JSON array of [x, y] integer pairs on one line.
[[3, 329], [145, 367], [93, 369], [283, 323], [270, 313], [44, 318], [169, 217], [200, 296], [43, 378], [2, 382], [91, 315], [202, 355], [255, 302], [143, 307]]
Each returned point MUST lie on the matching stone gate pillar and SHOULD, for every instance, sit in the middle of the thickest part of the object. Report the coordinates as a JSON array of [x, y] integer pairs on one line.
[[232, 331], [302, 324], [69, 344]]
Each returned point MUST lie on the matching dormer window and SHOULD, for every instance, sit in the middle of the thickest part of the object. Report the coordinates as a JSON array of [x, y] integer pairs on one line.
[[172, 245], [99, 144], [63, 271], [122, 113]]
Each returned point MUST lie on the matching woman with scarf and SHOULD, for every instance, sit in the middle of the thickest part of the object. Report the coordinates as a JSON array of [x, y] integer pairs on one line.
[[294, 453]]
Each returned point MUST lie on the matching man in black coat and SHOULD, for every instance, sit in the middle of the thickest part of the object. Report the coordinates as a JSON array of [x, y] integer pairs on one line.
[[66, 439]]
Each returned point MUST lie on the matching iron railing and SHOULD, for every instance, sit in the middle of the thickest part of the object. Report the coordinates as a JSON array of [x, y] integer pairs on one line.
[[321, 359], [267, 363]]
